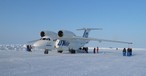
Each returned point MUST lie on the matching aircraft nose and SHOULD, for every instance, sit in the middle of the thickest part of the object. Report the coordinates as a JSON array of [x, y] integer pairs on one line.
[[42, 44], [38, 44]]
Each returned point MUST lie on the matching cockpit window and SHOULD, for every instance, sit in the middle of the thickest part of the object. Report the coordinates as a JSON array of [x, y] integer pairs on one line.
[[45, 39], [48, 39]]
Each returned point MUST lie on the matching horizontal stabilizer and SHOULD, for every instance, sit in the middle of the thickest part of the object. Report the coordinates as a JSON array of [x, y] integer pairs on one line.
[[90, 29]]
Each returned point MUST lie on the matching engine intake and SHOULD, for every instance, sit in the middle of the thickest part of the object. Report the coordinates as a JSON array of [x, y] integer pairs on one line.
[[48, 33], [42, 34], [60, 33], [65, 33]]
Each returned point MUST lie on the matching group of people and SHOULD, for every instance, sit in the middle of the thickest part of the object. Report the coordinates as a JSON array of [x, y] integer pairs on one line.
[[95, 50], [127, 52]]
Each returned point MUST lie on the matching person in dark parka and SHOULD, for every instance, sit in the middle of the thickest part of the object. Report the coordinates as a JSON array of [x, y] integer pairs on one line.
[[97, 49], [130, 50], [94, 50], [124, 52]]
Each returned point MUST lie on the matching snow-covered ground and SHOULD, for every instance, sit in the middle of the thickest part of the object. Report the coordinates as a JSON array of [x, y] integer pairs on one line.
[[18, 62]]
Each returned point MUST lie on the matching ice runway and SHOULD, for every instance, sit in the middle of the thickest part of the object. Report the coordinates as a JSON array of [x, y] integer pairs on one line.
[[105, 63]]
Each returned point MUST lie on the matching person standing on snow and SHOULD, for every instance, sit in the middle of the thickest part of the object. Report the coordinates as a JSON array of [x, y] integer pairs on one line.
[[97, 49], [130, 50], [94, 50], [124, 52]]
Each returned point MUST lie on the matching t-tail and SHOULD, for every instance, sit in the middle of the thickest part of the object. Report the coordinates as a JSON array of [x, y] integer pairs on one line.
[[87, 30]]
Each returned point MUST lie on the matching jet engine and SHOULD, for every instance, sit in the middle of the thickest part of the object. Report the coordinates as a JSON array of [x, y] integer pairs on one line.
[[48, 33], [65, 33]]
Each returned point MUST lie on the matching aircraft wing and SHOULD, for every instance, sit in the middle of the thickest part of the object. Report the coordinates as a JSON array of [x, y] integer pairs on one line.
[[95, 39], [105, 40], [31, 42]]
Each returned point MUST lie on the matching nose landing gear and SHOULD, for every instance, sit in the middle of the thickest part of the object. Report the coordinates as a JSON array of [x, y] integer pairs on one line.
[[28, 48]]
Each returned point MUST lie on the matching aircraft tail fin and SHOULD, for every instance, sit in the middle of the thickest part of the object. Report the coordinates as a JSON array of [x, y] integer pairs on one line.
[[87, 30]]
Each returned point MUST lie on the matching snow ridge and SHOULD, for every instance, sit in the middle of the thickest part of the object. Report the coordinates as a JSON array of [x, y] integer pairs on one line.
[[12, 47]]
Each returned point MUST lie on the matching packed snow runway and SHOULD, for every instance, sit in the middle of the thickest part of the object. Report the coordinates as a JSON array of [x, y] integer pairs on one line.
[[105, 63]]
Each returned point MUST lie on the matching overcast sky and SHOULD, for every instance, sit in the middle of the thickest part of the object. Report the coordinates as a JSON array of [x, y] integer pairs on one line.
[[22, 20]]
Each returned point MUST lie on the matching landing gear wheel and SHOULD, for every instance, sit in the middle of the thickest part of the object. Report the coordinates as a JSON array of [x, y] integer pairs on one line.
[[72, 51], [46, 51], [86, 49]]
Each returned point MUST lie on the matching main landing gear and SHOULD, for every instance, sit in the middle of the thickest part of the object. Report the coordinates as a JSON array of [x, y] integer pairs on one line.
[[60, 51], [72, 51], [85, 49], [46, 51]]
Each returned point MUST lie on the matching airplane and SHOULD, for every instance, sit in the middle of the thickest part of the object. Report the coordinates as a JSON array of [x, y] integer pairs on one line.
[[67, 41]]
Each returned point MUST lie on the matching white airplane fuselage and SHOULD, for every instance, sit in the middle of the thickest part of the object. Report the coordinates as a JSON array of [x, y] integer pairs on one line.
[[73, 44]]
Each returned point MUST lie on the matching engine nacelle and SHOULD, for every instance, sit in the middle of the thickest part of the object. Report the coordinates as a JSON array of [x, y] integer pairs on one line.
[[65, 33], [48, 33]]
